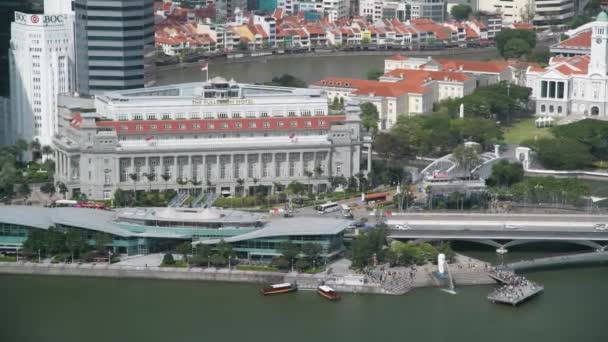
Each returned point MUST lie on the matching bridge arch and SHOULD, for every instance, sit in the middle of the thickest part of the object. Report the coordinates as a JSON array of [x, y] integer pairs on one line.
[[586, 243], [486, 242]]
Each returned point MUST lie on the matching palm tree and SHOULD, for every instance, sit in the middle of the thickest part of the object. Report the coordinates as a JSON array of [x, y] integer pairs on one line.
[[134, 177], [63, 189], [318, 173], [150, 177], [46, 151], [240, 182], [166, 177], [35, 147], [309, 175], [255, 190]]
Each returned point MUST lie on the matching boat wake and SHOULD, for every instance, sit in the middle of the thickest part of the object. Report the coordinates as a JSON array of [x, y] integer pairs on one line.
[[449, 291]]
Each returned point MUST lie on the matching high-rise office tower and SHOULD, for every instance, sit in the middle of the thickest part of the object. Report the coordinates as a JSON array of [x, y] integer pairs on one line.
[[114, 44], [41, 59]]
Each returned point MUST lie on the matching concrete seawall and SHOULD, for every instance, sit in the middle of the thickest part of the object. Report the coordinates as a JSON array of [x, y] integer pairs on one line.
[[304, 281], [141, 272]]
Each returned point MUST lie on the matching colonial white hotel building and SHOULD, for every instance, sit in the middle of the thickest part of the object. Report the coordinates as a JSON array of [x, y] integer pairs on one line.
[[575, 86], [211, 134]]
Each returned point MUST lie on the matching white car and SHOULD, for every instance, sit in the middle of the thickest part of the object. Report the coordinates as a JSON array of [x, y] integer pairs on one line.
[[403, 227], [601, 227], [511, 226]]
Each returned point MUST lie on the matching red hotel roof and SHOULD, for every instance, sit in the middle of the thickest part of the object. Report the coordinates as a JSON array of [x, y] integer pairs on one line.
[[581, 41], [221, 125]]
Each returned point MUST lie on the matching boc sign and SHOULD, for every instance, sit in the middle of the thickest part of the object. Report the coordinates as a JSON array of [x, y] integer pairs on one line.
[[38, 20]]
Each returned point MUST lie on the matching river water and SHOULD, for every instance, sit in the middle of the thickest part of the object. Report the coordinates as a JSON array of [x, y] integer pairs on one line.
[[34, 308], [308, 68]]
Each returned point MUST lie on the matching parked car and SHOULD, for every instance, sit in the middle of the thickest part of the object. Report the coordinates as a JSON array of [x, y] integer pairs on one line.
[[403, 227], [601, 227]]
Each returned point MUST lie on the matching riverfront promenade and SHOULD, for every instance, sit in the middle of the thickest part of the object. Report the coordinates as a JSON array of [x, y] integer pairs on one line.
[[344, 280]]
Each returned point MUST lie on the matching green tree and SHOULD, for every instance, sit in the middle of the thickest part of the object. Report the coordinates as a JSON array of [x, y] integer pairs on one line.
[[590, 132], [166, 177], [287, 80], [168, 260], [24, 190], [366, 246], [366, 41], [218, 260], [102, 240], [391, 146], [296, 188], [74, 242], [312, 251], [302, 264], [150, 177], [243, 46], [48, 188], [561, 153], [516, 48], [369, 116], [224, 249], [466, 158], [504, 174], [62, 188], [47, 151], [540, 56], [289, 250], [461, 12], [184, 248], [374, 74], [504, 36], [134, 177]]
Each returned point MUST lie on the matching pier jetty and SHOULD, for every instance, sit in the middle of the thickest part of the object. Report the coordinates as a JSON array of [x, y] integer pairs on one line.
[[515, 289]]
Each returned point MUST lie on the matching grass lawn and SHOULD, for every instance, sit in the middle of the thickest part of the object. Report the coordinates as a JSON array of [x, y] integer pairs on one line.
[[524, 129]]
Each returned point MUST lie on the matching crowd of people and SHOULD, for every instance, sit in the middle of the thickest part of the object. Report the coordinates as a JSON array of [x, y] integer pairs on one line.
[[394, 280], [516, 287]]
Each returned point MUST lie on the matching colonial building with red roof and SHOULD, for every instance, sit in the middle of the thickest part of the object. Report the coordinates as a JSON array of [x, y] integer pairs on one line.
[[575, 86], [211, 135]]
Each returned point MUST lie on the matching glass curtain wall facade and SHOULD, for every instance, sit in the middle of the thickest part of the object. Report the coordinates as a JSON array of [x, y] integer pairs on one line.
[[114, 44]]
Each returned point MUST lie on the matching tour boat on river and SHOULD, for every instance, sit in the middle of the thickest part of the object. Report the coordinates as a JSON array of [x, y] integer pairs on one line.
[[278, 289], [328, 293]]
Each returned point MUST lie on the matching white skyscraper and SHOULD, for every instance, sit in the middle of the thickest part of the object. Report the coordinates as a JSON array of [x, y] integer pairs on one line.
[[41, 59]]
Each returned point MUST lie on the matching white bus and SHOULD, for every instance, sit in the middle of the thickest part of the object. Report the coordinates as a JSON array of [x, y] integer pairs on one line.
[[328, 208], [65, 203]]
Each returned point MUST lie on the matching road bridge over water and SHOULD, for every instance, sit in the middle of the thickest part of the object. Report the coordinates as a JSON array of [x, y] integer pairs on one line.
[[501, 230]]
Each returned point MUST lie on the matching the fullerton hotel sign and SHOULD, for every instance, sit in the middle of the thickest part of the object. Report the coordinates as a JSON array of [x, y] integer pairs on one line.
[[199, 100]]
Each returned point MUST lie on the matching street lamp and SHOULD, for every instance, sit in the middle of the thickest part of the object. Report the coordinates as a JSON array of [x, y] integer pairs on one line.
[[38, 255], [208, 261], [229, 260]]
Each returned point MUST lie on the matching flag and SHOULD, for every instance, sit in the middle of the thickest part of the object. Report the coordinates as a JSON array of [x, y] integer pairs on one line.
[[150, 138], [205, 67], [292, 135]]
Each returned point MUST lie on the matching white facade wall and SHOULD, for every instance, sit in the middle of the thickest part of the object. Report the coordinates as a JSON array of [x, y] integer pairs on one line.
[[41, 67], [371, 9], [560, 94], [510, 11]]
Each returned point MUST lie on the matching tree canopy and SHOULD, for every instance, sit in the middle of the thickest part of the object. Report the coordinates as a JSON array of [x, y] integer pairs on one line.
[[461, 12], [561, 153], [287, 80], [516, 48], [374, 74], [510, 42], [592, 133], [369, 116], [504, 174]]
